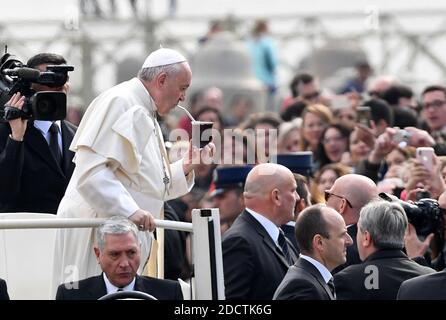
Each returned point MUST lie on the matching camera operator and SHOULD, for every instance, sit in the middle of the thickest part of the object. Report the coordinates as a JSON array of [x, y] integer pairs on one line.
[[35, 162], [432, 246]]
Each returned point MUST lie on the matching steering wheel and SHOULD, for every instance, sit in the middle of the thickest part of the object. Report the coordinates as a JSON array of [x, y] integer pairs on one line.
[[120, 295]]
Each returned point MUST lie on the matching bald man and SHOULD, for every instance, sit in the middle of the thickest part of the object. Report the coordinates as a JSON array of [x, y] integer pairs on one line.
[[323, 240], [256, 255], [348, 195]]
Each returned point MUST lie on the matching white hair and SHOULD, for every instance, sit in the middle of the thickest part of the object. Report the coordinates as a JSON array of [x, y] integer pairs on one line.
[[148, 74]]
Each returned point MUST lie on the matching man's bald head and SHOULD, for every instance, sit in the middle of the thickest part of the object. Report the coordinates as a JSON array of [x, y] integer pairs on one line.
[[358, 189], [265, 177], [270, 190]]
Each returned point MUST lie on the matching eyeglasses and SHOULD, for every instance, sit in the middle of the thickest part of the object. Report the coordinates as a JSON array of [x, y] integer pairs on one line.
[[436, 104], [328, 194]]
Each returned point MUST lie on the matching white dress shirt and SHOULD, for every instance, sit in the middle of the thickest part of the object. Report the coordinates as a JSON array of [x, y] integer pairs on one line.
[[112, 288], [269, 226], [44, 128], [319, 266]]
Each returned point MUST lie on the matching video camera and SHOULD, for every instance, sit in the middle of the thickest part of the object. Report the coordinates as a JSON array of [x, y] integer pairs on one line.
[[43, 105], [425, 215]]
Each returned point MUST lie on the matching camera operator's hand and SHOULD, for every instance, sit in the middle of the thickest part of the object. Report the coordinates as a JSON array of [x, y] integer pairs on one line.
[[18, 126], [143, 220], [415, 247]]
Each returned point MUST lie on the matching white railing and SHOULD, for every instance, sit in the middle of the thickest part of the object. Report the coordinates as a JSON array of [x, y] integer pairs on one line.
[[207, 283], [81, 223]]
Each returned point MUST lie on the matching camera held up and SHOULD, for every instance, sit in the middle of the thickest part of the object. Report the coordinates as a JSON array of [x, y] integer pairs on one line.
[[425, 215], [43, 105]]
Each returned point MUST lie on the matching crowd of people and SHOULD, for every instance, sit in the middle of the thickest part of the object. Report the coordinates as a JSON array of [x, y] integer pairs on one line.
[[318, 225]]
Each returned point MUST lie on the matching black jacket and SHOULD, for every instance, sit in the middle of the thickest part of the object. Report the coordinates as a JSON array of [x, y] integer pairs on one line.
[[93, 288], [303, 281], [379, 277], [30, 178], [253, 264], [3, 290], [427, 287]]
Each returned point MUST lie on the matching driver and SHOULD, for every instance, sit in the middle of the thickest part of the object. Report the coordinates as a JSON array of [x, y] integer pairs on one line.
[[118, 253]]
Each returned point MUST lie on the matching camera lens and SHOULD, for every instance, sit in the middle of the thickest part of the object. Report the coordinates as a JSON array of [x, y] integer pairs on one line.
[[45, 106]]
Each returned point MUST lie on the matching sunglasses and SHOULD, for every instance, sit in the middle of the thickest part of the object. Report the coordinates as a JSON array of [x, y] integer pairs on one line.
[[328, 194]]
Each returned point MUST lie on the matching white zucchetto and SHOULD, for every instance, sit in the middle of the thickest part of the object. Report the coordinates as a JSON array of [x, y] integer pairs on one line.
[[163, 57]]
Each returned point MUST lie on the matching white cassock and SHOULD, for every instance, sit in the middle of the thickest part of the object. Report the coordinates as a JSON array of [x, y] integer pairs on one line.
[[119, 169]]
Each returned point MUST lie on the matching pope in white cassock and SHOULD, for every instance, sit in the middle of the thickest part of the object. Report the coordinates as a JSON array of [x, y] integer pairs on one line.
[[121, 162]]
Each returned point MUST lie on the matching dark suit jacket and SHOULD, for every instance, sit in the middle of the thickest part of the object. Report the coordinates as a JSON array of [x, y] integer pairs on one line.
[[379, 277], [93, 288], [3, 290], [290, 233], [253, 264], [303, 281], [427, 287], [352, 251], [30, 179]]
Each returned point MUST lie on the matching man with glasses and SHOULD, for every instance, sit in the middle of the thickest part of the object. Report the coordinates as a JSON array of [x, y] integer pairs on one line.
[[434, 110], [348, 195]]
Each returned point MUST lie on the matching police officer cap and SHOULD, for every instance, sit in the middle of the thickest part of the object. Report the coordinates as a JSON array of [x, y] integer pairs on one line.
[[163, 57], [298, 162], [225, 178]]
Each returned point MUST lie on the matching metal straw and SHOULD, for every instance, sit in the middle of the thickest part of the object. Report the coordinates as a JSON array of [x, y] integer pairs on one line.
[[187, 112]]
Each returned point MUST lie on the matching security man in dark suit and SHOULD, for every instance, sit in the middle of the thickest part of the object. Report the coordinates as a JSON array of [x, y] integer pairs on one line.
[[118, 253], [3, 290], [381, 229], [301, 165], [35, 162], [348, 195], [428, 287], [256, 254], [228, 182], [323, 240]]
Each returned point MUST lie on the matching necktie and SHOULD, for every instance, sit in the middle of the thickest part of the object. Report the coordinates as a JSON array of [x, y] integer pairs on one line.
[[284, 246], [120, 290], [54, 143], [331, 285]]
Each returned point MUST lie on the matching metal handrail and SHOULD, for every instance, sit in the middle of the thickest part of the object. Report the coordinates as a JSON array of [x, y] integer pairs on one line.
[[81, 223]]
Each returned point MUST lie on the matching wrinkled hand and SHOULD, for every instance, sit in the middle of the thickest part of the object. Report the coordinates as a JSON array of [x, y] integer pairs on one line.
[[196, 156], [18, 126], [143, 220], [415, 247]]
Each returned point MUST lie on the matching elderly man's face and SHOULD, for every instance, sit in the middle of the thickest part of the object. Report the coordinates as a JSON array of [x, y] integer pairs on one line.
[[120, 258], [173, 89]]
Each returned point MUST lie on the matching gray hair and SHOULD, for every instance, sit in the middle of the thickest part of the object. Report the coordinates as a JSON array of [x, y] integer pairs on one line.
[[148, 74], [386, 222], [115, 225]]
